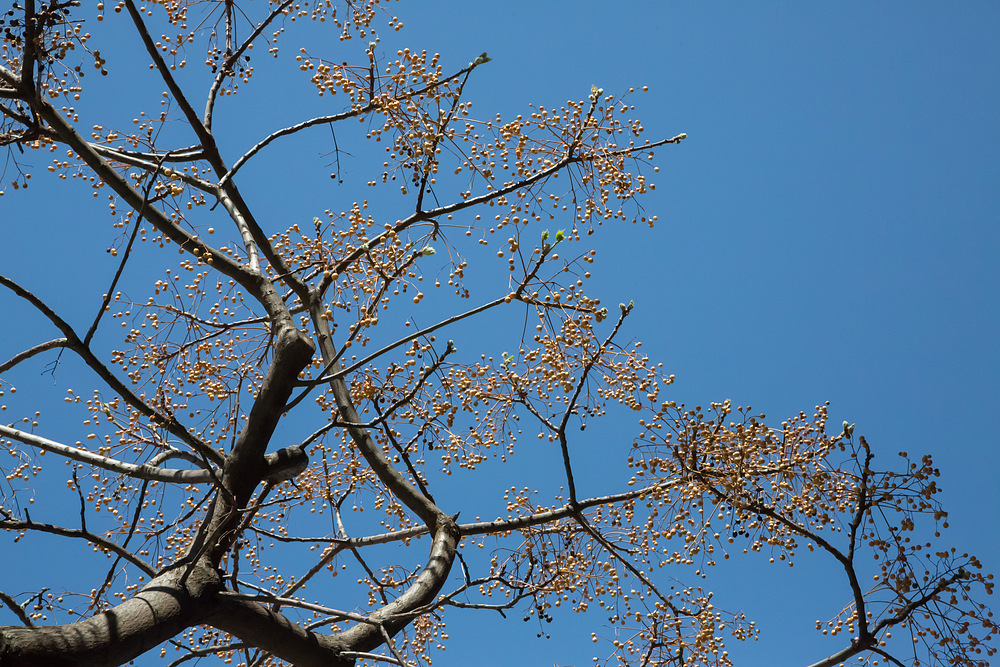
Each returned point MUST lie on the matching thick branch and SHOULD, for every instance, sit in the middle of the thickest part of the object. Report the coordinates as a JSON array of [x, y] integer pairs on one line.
[[276, 634], [408, 494], [396, 615], [103, 171], [245, 466], [161, 610]]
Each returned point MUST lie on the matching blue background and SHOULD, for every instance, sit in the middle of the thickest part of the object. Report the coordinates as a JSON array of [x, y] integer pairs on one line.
[[828, 231]]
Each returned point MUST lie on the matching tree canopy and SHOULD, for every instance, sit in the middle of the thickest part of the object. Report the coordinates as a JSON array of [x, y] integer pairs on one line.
[[276, 451]]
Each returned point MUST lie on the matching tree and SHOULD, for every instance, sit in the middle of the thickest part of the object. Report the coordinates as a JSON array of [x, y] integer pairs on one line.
[[319, 334]]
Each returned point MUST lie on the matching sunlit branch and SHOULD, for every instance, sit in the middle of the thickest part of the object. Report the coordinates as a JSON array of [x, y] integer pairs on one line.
[[496, 527], [150, 164], [147, 159], [12, 79], [31, 352], [143, 471], [267, 598], [243, 226]]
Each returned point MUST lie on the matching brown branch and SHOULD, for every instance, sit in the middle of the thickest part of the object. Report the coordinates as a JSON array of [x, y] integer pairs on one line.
[[571, 406], [224, 68], [273, 632], [105, 173], [79, 533], [74, 343], [333, 118], [140, 212], [30, 51], [229, 195], [32, 351], [12, 604]]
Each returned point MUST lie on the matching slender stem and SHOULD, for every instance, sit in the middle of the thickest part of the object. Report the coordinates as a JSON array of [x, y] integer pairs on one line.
[[226, 67]]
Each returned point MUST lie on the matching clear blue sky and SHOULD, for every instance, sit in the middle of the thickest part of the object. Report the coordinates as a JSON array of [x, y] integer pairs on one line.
[[830, 230]]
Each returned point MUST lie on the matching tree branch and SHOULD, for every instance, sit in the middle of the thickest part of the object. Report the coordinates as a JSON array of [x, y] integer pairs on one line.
[[74, 343], [143, 471]]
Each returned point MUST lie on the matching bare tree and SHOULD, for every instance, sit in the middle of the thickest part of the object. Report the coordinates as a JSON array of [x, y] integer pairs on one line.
[[214, 526]]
